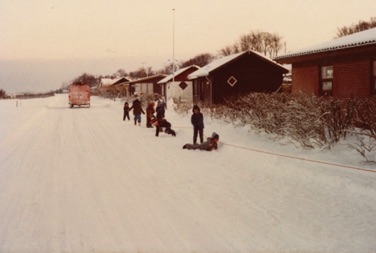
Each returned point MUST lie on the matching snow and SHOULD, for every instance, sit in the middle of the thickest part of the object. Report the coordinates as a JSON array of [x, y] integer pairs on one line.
[[353, 40], [109, 81], [205, 70], [83, 180]]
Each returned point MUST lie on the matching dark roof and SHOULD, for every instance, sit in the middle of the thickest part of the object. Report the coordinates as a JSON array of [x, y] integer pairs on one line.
[[148, 79], [177, 73]]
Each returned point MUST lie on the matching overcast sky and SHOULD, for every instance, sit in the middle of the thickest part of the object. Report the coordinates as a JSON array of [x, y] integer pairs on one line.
[[104, 36]]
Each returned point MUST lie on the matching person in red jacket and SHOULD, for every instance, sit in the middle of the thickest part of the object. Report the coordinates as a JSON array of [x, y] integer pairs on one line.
[[149, 114]]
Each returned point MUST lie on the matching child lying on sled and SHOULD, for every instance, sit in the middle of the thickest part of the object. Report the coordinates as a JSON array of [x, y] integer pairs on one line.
[[208, 145]]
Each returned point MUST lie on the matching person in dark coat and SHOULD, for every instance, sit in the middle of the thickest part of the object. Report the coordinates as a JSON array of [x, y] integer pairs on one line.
[[197, 120], [209, 145], [159, 123], [160, 109], [126, 111], [149, 114], [160, 112], [137, 110]]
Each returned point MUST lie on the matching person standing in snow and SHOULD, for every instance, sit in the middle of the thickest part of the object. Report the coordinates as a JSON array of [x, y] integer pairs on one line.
[[137, 110], [126, 111], [162, 102], [209, 145], [197, 120], [160, 110], [149, 114]]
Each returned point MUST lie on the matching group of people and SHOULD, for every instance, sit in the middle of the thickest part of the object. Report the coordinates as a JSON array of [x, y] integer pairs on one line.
[[156, 118], [158, 121]]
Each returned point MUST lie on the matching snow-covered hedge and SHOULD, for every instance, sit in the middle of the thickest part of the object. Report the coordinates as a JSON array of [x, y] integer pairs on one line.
[[301, 118]]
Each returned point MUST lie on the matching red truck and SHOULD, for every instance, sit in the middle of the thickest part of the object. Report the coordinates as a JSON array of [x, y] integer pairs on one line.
[[79, 94]]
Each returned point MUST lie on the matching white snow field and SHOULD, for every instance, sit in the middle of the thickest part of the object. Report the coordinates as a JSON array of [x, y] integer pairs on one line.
[[83, 180]]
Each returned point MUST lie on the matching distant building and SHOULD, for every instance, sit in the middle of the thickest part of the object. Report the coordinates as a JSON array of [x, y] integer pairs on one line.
[[147, 85], [177, 85], [110, 87], [236, 74], [343, 67]]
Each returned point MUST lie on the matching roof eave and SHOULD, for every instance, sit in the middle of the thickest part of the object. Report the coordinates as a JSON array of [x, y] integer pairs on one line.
[[318, 54]]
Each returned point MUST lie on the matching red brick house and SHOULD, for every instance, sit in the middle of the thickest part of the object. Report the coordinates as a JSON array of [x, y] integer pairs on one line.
[[236, 74], [343, 67]]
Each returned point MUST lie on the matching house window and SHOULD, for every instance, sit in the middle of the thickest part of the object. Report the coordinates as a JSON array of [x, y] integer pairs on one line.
[[326, 86]]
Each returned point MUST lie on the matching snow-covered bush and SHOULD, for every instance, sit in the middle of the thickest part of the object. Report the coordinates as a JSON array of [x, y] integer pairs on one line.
[[302, 119], [295, 117], [338, 117]]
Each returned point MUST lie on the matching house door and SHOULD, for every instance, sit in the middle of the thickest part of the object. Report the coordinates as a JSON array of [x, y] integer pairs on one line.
[[201, 91], [207, 92]]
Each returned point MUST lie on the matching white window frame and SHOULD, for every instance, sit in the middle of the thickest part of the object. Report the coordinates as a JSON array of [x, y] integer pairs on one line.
[[326, 79]]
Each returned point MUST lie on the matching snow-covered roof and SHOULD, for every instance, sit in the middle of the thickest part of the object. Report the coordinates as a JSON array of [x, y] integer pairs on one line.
[[366, 37], [110, 81], [204, 71], [148, 79], [178, 72]]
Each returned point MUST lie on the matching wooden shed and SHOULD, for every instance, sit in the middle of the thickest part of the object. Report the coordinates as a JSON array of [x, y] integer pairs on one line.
[[343, 67], [177, 85], [236, 74], [147, 85], [110, 87]]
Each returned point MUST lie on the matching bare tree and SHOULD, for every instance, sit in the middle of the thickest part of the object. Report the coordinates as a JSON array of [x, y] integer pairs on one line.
[[354, 28], [262, 42], [86, 79], [257, 41], [236, 48], [142, 72], [226, 51], [199, 60], [266, 43], [120, 73], [275, 45], [245, 42], [149, 71]]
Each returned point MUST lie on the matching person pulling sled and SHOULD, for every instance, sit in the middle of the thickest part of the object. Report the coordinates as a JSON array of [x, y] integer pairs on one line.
[[162, 123]]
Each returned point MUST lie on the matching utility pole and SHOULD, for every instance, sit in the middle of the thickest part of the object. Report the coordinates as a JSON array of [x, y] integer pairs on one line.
[[173, 45]]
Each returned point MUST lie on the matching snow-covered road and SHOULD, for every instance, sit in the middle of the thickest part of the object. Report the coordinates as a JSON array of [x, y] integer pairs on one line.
[[82, 180]]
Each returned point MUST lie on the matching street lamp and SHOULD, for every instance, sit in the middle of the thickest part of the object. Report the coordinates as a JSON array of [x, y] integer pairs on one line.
[[173, 45]]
